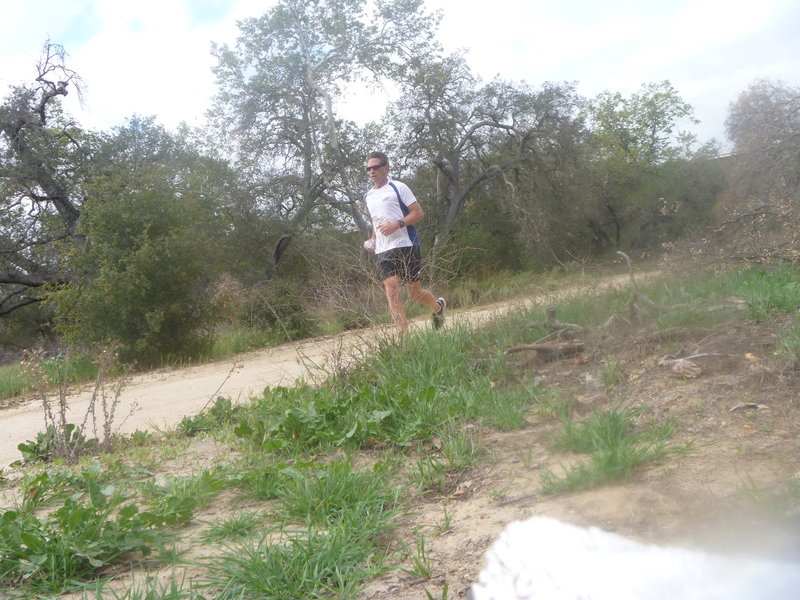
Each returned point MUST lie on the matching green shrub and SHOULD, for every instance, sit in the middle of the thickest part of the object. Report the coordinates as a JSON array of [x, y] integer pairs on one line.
[[141, 280], [280, 307], [52, 444], [769, 290], [615, 447], [88, 532]]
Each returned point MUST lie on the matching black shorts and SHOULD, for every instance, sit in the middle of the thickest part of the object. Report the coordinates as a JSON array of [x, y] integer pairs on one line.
[[405, 262]]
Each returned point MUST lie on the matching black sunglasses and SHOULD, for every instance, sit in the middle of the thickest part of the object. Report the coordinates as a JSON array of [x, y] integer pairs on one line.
[[373, 167]]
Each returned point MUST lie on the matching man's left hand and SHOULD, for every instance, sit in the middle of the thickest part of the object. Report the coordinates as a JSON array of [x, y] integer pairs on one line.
[[389, 228]]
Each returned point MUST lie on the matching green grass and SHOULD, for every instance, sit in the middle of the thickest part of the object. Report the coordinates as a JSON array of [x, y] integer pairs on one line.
[[234, 528], [461, 447], [421, 563], [173, 588], [336, 495], [789, 345], [12, 381], [429, 474], [417, 408], [400, 394], [235, 340], [614, 445], [767, 291], [18, 378], [305, 564]]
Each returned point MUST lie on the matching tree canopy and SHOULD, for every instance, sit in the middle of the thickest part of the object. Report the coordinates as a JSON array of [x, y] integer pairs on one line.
[[762, 218], [278, 87], [43, 160]]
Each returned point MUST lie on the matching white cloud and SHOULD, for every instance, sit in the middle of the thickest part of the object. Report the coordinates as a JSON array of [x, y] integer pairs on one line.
[[152, 57], [148, 57]]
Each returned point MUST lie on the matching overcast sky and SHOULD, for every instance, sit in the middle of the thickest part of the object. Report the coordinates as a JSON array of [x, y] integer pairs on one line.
[[152, 57]]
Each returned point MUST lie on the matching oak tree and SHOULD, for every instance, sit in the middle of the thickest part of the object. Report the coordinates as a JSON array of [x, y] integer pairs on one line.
[[473, 132], [43, 160], [761, 205], [279, 89]]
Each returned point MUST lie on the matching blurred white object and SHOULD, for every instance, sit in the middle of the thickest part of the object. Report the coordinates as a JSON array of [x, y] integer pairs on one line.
[[369, 244], [545, 559]]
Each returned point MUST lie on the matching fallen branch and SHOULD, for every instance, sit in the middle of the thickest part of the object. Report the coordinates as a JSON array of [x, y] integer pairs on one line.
[[628, 262], [558, 329], [668, 360], [551, 351], [749, 406]]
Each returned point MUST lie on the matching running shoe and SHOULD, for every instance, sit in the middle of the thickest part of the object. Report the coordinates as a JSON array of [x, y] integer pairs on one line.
[[438, 316]]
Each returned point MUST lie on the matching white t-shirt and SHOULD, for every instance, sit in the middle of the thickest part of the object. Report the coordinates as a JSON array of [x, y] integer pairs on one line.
[[387, 203]]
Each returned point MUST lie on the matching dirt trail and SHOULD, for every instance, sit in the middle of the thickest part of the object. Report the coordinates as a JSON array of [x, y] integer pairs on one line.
[[160, 399]]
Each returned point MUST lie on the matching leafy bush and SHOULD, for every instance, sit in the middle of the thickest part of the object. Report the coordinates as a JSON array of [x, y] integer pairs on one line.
[[221, 413], [88, 532], [51, 443], [142, 277], [279, 306]]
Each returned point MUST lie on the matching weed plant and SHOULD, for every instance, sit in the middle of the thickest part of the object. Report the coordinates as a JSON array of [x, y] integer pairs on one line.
[[461, 447], [72, 522], [334, 494], [615, 447], [430, 474], [444, 595], [174, 502], [308, 564], [62, 439], [39, 489], [231, 529], [220, 414], [260, 476], [399, 394], [422, 565], [611, 373], [87, 532], [555, 404], [174, 588]]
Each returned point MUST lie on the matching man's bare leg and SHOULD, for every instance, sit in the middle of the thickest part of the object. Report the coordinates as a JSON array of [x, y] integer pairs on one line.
[[396, 308], [423, 296]]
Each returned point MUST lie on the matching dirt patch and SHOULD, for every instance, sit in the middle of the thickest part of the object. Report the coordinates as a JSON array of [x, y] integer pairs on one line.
[[734, 492]]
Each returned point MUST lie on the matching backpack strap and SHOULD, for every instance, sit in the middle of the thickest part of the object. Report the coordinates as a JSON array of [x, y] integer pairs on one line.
[[403, 207], [410, 229]]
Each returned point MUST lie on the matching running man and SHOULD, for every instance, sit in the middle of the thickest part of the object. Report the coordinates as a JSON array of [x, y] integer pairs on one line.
[[394, 211]]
